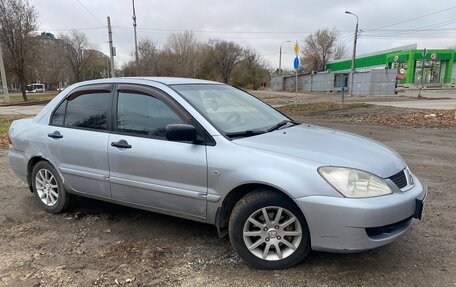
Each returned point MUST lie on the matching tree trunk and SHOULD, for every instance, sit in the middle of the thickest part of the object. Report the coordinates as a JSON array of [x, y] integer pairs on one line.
[[22, 85]]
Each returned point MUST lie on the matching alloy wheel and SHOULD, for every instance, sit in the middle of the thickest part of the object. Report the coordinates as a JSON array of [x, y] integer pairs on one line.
[[272, 233], [46, 187]]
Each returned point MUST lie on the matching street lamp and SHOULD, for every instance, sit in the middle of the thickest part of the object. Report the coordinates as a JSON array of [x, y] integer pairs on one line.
[[354, 51], [280, 57]]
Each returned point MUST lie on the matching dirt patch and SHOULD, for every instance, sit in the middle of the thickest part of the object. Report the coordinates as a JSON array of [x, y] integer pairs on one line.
[[424, 118], [361, 113]]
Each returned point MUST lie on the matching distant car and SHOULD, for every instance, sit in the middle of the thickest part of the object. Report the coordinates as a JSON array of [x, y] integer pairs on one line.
[[210, 152]]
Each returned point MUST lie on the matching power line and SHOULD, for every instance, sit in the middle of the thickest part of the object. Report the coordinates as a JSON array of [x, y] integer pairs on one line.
[[94, 16], [415, 18], [75, 29], [220, 31], [408, 30], [90, 12], [420, 29]]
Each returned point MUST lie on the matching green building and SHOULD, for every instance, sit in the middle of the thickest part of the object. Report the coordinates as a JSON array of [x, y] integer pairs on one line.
[[439, 65]]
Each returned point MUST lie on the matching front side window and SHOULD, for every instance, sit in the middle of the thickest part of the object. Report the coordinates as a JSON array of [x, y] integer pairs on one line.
[[88, 110], [144, 115], [230, 110]]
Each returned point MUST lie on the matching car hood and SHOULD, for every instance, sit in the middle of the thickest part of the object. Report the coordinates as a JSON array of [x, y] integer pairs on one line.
[[329, 147]]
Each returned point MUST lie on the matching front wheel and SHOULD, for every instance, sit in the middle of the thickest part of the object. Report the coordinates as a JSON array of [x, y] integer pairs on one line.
[[48, 188], [269, 231]]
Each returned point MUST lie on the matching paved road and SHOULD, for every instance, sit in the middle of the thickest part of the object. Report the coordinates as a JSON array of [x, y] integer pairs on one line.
[[446, 104], [20, 110]]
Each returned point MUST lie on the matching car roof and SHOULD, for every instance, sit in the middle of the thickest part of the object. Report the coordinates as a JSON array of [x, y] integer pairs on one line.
[[163, 80], [176, 80]]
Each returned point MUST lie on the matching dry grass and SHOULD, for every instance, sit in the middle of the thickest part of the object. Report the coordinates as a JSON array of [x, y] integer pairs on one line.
[[16, 98], [5, 123], [320, 107]]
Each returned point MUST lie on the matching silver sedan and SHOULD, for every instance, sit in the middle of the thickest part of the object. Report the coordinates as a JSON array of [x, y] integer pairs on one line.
[[210, 152]]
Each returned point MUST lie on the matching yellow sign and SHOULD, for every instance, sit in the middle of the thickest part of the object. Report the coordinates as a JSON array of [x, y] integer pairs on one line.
[[296, 48]]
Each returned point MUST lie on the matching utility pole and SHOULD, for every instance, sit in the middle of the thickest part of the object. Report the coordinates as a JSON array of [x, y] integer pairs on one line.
[[111, 49], [354, 51], [136, 38], [4, 83], [280, 56], [423, 63]]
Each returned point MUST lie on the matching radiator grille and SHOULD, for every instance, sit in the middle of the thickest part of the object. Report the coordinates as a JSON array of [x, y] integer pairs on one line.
[[399, 179]]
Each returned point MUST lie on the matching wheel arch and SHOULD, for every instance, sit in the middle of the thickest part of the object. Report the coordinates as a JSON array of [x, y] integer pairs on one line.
[[224, 210], [31, 163]]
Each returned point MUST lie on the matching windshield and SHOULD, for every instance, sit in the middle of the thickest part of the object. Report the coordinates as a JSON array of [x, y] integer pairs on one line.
[[230, 110]]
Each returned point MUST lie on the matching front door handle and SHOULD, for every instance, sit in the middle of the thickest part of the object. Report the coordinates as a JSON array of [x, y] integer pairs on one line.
[[121, 144], [55, 135]]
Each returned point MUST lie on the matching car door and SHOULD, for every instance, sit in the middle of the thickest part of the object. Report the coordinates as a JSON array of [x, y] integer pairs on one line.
[[145, 168], [77, 139]]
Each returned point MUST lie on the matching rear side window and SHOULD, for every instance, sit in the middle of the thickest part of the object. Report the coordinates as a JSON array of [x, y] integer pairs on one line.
[[140, 114], [88, 110]]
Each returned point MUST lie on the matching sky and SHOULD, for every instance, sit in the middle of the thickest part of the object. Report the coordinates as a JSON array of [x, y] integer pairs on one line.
[[259, 24]]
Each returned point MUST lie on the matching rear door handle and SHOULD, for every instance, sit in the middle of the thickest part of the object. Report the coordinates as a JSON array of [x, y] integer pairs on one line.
[[55, 135], [121, 144]]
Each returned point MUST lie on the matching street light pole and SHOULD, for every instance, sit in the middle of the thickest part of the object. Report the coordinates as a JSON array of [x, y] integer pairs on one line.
[[136, 39], [354, 51], [280, 56]]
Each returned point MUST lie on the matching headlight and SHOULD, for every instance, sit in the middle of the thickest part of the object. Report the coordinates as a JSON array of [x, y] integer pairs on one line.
[[354, 183]]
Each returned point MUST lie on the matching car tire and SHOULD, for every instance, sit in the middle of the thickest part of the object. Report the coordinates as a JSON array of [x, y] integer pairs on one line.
[[250, 233], [48, 188]]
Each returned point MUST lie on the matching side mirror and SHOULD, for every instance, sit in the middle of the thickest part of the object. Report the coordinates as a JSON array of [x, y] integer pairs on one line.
[[180, 133]]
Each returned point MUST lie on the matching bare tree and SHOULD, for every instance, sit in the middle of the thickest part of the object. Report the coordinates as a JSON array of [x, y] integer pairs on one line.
[[147, 54], [252, 71], [18, 22], [47, 64], [205, 64], [77, 53], [226, 55], [320, 48], [340, 52], [152, 61], [97, 65], [183, 46]]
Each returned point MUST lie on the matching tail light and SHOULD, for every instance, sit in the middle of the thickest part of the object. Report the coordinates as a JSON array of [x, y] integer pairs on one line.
[[8, 140]]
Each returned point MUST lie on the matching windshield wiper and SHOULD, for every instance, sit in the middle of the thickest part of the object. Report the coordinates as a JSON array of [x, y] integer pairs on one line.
[[245, 133], [280, 124]]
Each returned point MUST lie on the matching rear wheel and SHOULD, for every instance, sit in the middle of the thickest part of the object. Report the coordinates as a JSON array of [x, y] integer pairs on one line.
[[48, 188], [269, 231]]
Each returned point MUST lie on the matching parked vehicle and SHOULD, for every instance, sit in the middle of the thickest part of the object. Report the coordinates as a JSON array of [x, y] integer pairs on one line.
[[210, 152]]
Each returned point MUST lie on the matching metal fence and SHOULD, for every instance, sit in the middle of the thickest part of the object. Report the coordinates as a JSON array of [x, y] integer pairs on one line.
[[373, 82]]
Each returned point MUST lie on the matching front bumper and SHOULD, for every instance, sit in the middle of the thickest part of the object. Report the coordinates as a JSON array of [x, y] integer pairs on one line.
[[341, 224]]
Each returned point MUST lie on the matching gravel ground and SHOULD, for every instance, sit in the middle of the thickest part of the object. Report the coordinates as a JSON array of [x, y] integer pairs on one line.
[[100, 244]]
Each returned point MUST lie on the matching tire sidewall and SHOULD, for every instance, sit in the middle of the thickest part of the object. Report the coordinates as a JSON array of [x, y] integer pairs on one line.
[[237, 239], [62, 195]]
